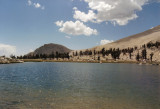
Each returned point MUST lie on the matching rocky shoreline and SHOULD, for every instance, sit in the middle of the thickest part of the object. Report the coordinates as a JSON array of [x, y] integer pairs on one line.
[[5, 60], [92, 61]]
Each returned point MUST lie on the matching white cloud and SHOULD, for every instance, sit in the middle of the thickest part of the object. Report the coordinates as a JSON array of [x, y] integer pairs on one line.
[[75, 28], [103, 42], [36, 5], [116, 11], [75, 8], [151, 28], [67, 37], [59, 23], [83, 16], [7, 50]]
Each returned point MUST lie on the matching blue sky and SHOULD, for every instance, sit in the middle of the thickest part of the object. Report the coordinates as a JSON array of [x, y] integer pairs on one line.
[[28, 24]]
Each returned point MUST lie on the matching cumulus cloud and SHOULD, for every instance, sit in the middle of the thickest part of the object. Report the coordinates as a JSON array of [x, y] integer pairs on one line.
[[116, 11], [7, 50], [36, 5], [75, 28], [103, 42], [59, 23], [83, 16]]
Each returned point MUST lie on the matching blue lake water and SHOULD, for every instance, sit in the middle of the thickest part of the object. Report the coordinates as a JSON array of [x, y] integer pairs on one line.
[[79, 86]]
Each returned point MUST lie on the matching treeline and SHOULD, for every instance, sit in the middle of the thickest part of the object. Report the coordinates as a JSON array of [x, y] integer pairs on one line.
[[45, 56], [151, 44], [115, 53]]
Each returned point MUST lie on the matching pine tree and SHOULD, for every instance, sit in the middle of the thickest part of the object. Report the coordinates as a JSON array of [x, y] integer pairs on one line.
[[103, 51], [137, 57], [151, 56], [57, 55], [144, 54]]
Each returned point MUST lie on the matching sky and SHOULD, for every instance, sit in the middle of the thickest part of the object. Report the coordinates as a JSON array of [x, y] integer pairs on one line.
[[77, 24]]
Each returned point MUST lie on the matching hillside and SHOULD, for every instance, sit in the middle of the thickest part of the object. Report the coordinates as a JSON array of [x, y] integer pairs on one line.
[[137, 40], [50, 48], [127, 48], [134, 40]]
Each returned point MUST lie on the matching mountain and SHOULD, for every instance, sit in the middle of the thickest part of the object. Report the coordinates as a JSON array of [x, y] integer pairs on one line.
[[142, 45], [151, 35], [50, 48]]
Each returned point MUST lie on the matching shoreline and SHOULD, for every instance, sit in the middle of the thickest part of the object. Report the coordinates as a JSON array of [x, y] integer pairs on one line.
[[110, 61], [83, 61]]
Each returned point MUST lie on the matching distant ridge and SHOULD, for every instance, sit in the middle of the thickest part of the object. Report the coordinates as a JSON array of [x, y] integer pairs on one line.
[[143, 34], [48, 49], [145, 45], [138, 40]]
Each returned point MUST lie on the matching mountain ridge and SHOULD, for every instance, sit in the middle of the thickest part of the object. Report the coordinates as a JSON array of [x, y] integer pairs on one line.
[[134, 40], [141, 46]]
